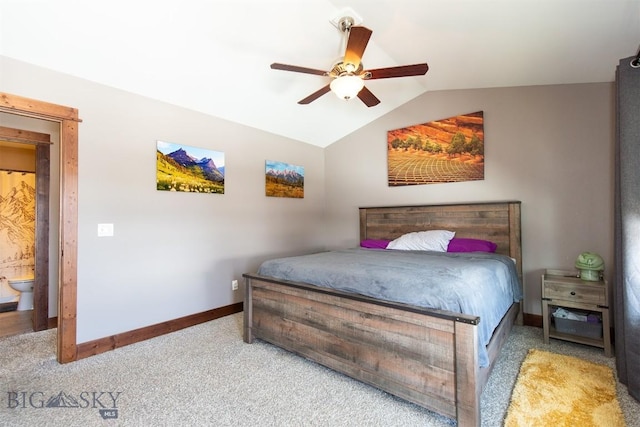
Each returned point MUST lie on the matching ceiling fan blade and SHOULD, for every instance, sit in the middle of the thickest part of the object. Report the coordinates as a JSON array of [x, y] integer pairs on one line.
[[315, 95], [295, 68], [401, 71], [358, 39], [368, 98]]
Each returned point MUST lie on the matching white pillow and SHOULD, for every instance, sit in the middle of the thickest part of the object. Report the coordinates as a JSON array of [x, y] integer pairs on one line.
[[432, 240]]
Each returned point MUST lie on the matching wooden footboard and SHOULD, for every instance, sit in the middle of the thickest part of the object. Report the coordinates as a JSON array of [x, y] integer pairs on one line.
[[428, 357]]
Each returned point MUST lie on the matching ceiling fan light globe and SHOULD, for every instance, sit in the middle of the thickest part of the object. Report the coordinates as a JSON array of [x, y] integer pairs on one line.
[[347, 87]]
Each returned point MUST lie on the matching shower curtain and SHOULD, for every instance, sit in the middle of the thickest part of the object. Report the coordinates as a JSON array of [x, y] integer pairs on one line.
[[627, 225], [17, 223]]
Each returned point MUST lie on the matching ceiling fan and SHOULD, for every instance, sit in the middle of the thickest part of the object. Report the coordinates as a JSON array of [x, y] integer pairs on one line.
[[348, 75]]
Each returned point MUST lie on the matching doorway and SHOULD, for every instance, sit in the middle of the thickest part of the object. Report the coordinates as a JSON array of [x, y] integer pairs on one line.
[[29, 152], [67, 119]]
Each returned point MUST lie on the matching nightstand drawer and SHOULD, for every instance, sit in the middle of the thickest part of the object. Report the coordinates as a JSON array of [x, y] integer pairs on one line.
[[594, 294]]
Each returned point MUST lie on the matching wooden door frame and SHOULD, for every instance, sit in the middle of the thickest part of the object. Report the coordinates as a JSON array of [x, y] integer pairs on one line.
[[68, 119], [42, 143], [41, 284]]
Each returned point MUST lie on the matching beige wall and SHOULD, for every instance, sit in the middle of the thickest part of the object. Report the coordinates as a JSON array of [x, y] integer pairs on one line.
[[173, 254], [19, 157], [551, 147]]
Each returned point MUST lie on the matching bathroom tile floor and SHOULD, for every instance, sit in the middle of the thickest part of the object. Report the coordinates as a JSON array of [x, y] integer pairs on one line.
[[15, 323]]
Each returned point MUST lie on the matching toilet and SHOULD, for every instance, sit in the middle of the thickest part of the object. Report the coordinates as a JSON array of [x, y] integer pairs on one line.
[[24, 285]]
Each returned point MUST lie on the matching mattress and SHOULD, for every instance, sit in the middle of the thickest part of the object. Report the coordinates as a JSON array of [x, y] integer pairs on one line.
[[475, 283]]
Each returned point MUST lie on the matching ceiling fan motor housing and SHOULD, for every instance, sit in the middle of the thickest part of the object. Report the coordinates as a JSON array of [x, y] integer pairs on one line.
[[342, 69]]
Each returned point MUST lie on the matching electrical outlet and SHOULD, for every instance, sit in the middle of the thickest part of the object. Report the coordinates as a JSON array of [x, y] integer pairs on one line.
[[234, 285]]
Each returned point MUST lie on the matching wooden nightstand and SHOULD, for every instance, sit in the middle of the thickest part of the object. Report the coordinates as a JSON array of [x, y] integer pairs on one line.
[[562, 288]]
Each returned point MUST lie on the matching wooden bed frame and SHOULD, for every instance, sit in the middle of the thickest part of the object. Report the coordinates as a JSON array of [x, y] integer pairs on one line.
[[428, 357]]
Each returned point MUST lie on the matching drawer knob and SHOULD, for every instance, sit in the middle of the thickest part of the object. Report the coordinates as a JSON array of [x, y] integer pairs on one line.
[[573, 292]]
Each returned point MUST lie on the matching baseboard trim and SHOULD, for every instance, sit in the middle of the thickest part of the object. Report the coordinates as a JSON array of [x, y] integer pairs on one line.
[[529, 319], [6, 307], [101, 345]]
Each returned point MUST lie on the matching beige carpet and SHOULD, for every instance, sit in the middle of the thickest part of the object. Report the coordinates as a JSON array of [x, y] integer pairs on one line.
[[558, 390], [207, 376]]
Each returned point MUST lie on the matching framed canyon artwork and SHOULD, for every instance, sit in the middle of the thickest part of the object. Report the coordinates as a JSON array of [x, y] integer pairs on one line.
[[447, 150]]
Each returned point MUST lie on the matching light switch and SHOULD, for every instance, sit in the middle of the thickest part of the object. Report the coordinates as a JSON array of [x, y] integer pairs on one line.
[[105, 230]]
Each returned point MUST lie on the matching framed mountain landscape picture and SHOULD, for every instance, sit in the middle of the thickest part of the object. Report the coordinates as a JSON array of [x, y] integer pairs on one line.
[[189, 169], [284, 180]]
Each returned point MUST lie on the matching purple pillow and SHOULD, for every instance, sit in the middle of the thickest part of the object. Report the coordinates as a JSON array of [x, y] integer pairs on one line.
[[460, 244], [375, 243]]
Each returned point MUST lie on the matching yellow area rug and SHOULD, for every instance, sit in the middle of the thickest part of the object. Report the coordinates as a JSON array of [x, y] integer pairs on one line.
[[558, 390]]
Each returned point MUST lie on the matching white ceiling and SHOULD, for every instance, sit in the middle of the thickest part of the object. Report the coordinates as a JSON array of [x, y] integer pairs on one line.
[[213, 56]]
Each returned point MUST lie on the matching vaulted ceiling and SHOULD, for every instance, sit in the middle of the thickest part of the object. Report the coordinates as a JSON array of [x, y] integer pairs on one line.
[[213, 56]]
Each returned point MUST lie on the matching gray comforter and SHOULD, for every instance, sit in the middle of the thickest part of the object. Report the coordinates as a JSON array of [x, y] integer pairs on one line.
[[475, 283]]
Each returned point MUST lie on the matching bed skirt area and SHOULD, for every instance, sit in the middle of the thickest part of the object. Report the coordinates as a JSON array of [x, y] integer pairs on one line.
[[428, 357]]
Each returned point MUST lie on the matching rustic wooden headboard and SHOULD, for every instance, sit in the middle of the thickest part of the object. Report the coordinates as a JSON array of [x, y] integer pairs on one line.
[[498, 222]]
